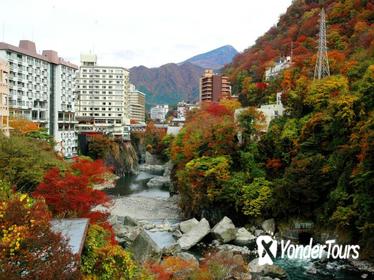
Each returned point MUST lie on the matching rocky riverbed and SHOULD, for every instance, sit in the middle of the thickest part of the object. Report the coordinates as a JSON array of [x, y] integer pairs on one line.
[[148, 222], [146, 208]]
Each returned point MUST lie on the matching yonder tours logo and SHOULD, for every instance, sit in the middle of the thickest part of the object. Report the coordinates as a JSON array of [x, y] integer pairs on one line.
[[268, 247]]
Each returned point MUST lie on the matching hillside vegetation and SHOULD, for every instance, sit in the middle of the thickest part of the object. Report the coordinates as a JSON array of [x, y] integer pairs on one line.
[[314, 163]]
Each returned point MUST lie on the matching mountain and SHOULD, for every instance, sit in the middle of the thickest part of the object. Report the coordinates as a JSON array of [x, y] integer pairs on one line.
[[169, 83], [214, 59], [173, 82]]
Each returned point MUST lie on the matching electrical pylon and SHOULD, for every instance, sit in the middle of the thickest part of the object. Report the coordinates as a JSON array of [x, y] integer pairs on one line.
[[322, 64]]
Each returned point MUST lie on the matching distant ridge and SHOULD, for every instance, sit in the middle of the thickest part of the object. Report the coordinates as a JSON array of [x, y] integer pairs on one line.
[[171, 83], [214, 59]]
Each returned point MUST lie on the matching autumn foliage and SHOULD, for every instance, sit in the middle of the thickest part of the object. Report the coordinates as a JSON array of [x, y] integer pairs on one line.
[[23, 126], [71, 193], [29, 249]]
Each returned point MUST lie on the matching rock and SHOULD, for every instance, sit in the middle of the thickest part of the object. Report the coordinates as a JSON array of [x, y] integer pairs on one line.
[[195, 235], [168, 168], [225, 230], [215, 243], [259, 232], [145, 249], [363, 266], [128, 221], [188, 257], [244, 237], [311, 269], [272, 271], [234, 249], [159, 182], [119, 230], [269, 226], [186, 226], [133, 233], [364, 276], [171, 250], [151, 159], [177, 234], [153, 168]]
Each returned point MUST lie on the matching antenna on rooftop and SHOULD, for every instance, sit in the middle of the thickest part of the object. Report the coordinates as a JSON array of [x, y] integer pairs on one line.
[[322, 68]]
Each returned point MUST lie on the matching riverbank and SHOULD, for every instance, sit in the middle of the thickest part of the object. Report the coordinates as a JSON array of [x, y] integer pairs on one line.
[[146, 208]]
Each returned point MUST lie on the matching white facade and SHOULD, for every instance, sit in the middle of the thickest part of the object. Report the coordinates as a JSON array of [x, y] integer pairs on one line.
[[4, 103], [158, 113], [137, 104], [40, 88], [64, 106], [272, 111], [278, 67], [103, 98]]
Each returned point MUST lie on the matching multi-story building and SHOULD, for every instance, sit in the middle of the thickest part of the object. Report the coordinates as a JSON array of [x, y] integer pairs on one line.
[[214, 87], [4, 106], [41, 89], [137, 105], [281, 65], [103, 98], [184, 107], [158, 113]]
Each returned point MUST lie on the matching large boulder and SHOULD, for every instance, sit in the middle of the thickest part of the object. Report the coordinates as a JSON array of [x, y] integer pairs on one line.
[[188, 257], [159, 182], [145, 249], [128, 221], [244, 251], [152, 159], [273, 271], [225, 230], [187, 225], [269, 226], [195, 235], [243, 237]]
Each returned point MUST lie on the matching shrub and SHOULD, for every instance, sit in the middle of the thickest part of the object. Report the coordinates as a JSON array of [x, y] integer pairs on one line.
[[29, 249]]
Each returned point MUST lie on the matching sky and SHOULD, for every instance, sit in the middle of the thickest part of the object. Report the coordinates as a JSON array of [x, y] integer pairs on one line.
[[137, 32]]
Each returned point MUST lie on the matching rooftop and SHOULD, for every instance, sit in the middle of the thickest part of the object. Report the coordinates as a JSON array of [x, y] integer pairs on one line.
[[27, 47], [74, 230]]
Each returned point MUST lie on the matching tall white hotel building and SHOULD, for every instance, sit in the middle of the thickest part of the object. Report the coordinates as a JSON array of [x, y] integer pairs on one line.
[[102, 98], [41, 89]]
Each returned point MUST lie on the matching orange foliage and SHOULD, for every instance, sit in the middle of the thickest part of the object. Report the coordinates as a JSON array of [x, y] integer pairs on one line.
[[273, 163], [23, 126]]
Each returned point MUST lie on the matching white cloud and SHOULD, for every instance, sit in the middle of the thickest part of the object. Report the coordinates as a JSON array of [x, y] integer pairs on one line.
[[138, 32]]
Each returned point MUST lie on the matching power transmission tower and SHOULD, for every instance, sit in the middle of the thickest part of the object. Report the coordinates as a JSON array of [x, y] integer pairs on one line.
[[322, 64]]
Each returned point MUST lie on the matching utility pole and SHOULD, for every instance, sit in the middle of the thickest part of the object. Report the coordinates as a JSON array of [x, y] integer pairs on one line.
[[322, 68]]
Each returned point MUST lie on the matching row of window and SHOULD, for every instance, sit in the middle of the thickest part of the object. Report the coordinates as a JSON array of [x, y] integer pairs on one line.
[[101, 109], [99, 87], [99, 82], [101, 70]]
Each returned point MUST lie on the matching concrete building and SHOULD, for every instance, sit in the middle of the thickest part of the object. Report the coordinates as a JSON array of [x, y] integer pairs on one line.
[[102, 98], [269, 111], [183, 108], [4, 103], [41, 89], [281, 65], [272, 111], [214, 87], [158, 113], [137, 104]]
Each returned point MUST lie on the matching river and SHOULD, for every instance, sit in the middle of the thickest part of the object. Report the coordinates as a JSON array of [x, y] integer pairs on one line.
[[133, 198]]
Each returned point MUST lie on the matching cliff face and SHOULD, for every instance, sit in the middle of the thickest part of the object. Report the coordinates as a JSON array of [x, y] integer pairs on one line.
[[122, 156]]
